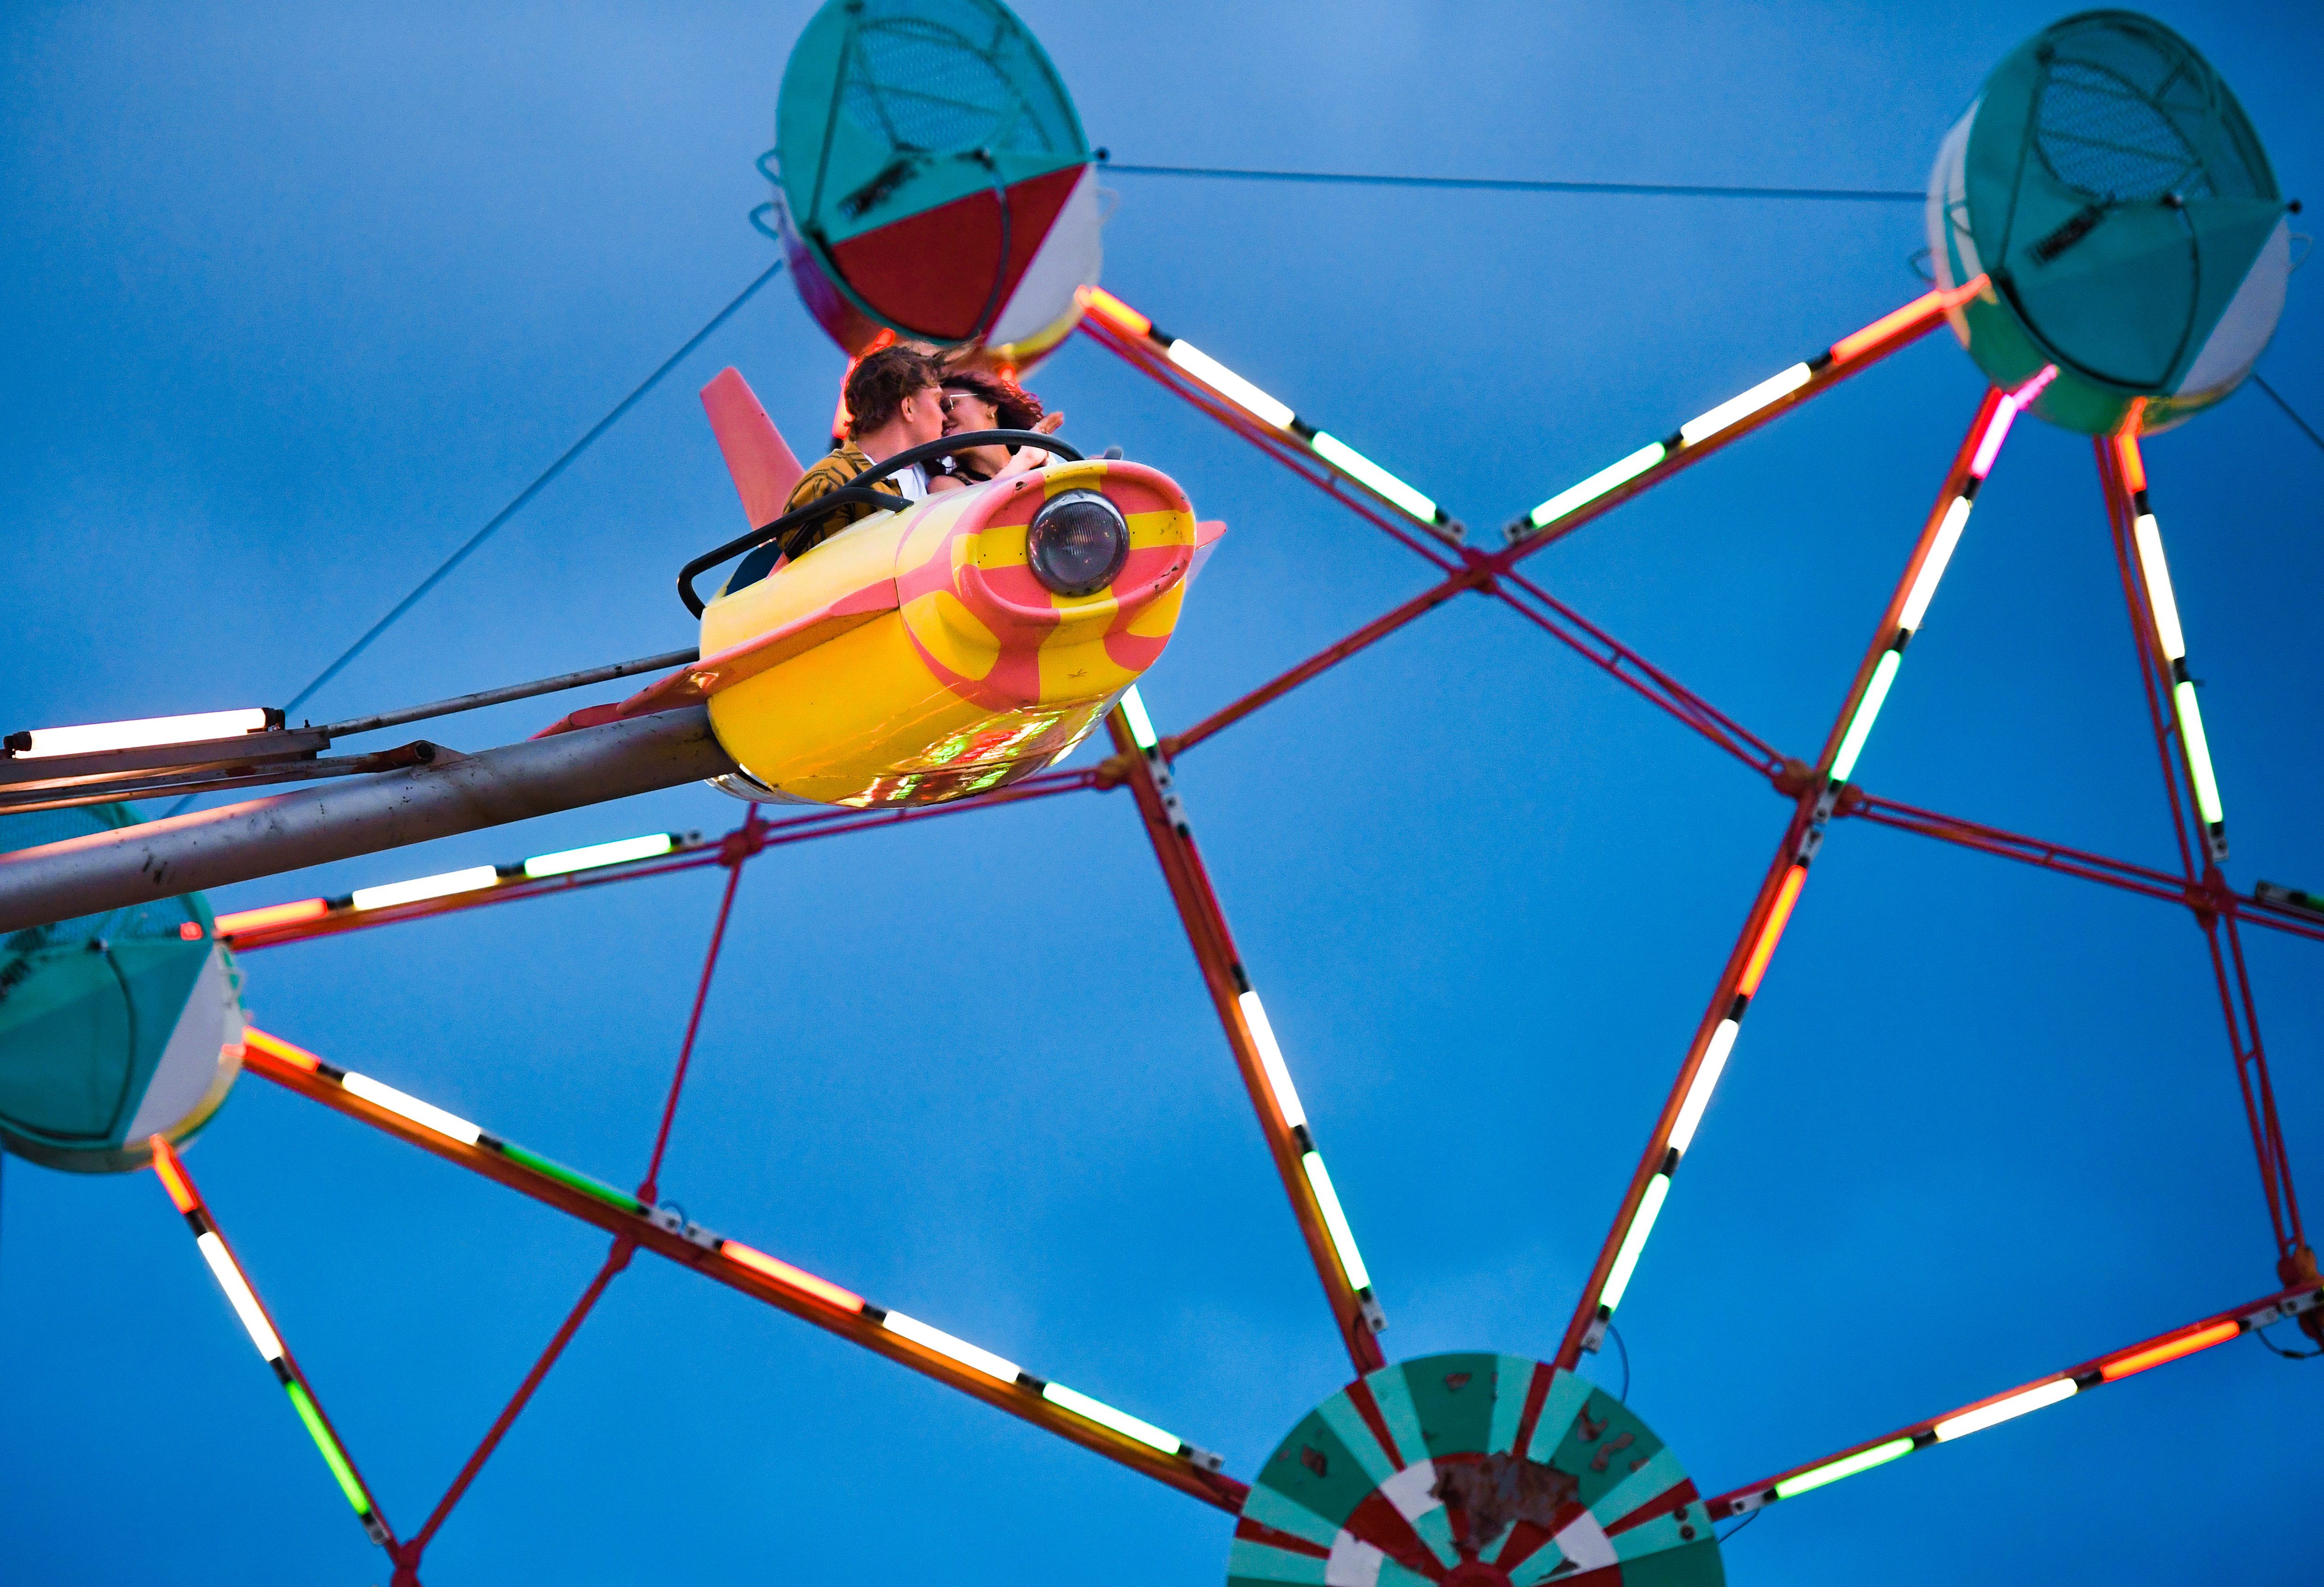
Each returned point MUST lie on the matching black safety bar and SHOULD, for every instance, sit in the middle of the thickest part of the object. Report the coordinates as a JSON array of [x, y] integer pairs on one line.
[[858, 491]]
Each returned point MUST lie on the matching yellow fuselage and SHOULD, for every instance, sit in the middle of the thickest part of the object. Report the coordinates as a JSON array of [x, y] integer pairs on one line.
[[913, 658]]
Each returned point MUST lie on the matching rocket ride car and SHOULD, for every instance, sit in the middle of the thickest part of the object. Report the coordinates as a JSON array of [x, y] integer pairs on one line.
[[933, 652]]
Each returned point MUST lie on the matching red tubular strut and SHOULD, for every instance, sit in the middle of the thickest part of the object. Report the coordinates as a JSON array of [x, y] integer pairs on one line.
[[2295, 1261], [1354, 1312]]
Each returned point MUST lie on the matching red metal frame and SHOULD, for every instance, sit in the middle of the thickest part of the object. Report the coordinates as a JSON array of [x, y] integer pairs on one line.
[[2300, 1300], [186, 1196], [1354, 1312], [1815, 798], [665, 1234]]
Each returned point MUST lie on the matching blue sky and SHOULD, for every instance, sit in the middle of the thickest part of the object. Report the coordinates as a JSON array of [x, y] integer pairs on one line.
[[297, 298]]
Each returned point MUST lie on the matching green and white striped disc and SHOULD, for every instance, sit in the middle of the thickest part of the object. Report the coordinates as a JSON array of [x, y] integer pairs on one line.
[[1474, 1471]]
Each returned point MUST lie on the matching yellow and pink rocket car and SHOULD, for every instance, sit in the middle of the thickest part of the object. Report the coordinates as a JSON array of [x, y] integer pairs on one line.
[[938, 651]]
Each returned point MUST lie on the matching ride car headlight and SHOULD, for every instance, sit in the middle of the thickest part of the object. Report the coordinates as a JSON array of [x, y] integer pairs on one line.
[[1078, 544]]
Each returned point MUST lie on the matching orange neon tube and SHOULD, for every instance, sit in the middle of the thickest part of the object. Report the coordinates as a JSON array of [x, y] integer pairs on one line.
[[2133, 466], [173, 1180], [271, 915], [790, 1277], [1922, 307], [1773, 932], [275, 1046], [1118, 312], [2170, 1350]]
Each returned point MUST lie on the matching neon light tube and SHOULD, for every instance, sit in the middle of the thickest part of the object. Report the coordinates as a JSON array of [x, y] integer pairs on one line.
[[1343, 1238], [602, 854], [1880, 1455], [173, 1180], [237, 1290], [1888, 325], [1706, 1081], [1772, 932], [2003, 1410], [2198, 753], [1105, 1416], [95, 736], [1597, 484], [2159, 596], [2170, 1350], [1626, 1260], [1348, 460], [571, 1177], [1270, 1060], [242, 921], [1744, 406], [410, 1107], [275, 1046], [1141, 725], [425, 887], [1116, 310], [1932, 569], [790, 1277], [333, 1457], [1860, 728], [1231, 385], [959, 1350]]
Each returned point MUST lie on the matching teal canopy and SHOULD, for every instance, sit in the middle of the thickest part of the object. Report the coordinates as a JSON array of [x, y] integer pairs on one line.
[[112, 1026], [2111, 187]]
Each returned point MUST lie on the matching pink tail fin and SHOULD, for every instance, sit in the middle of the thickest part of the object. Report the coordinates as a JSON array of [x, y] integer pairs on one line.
[[762, 465]]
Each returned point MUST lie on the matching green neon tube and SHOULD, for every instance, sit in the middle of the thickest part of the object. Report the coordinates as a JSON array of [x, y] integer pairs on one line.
[[1343, 1238], [1867, 709], [2198, 753], [1880, 1455], [1105, 1416], [1598, 485], [329, 1445], [1626, 1260], [1350, 462], [573, 1177]]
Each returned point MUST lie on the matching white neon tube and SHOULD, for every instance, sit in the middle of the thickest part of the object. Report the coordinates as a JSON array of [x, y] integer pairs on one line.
[[1598, 485], [959, 1350], [1706, 1081], [1626, 1260], [2159, 596], [1868, 708], [1105, 1416], [1270, 1060], [600, 853], [1346, 459], [1933, 570], [2003, 1410], [1744, 406], [1230, 385], [145, 733], [427, 1115], [1141, 726], [2198, 753], [425, 887], [1343, 1238], [245, 1304]]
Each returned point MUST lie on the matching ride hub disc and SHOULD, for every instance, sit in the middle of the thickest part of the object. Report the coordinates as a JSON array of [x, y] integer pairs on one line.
[[1474, 1471]]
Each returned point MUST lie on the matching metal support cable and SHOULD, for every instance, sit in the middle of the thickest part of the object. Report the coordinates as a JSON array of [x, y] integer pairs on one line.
[[1520, 185], [2277, 398], [525, 495]]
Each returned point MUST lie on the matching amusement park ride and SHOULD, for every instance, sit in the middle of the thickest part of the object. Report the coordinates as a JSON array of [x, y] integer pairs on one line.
[[2109, 245]]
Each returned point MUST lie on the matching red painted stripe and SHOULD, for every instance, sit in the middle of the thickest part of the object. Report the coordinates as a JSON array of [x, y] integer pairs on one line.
[[1535, 1393], [1360, 1395], [932, 272], [1253, 1531], [1662, 1504], [1526, 1538], [1380, 1524]]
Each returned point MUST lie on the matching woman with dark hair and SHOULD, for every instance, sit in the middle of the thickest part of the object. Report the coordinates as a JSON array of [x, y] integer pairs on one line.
[[977, 398]]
